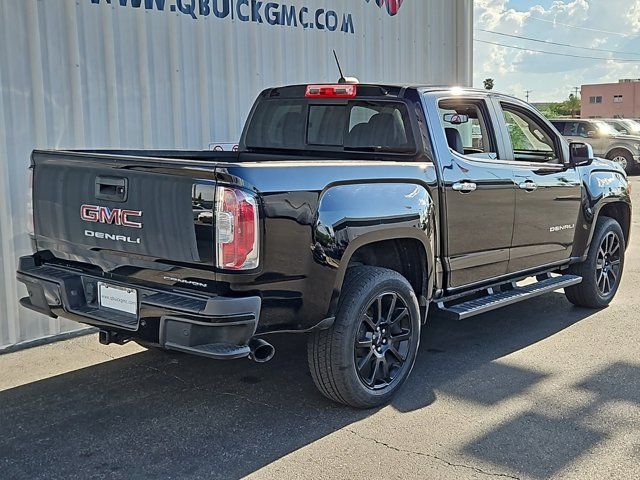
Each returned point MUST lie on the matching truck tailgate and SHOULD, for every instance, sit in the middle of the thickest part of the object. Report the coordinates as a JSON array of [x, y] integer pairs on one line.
[[136, 217]]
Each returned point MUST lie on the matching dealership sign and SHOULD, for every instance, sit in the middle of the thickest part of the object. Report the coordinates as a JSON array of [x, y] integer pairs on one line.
[[259, 11]]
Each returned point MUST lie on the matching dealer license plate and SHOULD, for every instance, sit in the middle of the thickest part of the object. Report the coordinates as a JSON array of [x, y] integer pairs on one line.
[[118, 298]]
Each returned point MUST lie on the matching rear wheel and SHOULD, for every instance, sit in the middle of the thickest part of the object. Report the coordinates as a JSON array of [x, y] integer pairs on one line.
[[624, 159], [602, 270], [366, 356]]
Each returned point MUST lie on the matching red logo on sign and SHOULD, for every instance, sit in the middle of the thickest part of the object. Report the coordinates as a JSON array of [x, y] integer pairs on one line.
[[110, 216], [392, 5]]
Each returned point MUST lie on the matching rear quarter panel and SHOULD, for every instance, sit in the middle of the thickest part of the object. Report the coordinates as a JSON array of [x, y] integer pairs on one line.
[[315, 215]]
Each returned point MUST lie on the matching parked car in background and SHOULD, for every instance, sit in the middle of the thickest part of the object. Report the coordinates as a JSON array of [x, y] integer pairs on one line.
[[625, 126], [606, 141]]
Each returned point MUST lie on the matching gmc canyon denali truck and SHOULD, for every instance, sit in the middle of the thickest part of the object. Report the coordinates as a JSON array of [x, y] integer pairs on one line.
[[346, 213]]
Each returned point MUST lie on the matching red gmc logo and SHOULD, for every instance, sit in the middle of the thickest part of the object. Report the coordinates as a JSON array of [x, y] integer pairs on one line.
[[110, 216]]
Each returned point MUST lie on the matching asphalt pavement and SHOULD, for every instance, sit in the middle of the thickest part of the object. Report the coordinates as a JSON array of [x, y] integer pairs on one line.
[[537, 390]]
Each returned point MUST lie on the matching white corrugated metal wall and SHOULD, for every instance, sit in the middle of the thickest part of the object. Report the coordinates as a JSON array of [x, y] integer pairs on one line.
[[108, 73]]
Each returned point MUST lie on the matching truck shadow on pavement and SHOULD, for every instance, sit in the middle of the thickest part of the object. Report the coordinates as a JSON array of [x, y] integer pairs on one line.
[[542, 441], [158, 415]]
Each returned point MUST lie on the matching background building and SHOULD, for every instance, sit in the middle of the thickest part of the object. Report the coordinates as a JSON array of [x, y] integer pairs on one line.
[[612, 100], [183, 74]]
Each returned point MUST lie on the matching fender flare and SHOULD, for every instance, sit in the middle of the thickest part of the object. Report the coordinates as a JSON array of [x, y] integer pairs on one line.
[[396, 233], [353, 215], [598, 213]]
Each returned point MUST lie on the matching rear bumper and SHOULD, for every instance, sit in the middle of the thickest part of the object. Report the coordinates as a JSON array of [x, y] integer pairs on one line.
[[214, 327]]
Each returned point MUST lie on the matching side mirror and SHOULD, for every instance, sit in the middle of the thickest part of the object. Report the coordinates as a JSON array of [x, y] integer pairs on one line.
[[580, 154], [591, 133]]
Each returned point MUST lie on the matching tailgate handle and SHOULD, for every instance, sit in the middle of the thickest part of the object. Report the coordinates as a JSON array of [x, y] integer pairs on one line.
[[113, 189]]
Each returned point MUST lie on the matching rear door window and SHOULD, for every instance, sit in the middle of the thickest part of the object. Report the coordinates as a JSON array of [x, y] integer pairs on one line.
[[467, 128]]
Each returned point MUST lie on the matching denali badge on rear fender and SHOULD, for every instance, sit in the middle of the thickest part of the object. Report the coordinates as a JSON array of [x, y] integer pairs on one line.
[[109, 236], [110, 216]]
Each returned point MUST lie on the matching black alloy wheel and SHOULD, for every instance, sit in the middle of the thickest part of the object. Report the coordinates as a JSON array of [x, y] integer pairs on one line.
[[383, 340], [608, 263]]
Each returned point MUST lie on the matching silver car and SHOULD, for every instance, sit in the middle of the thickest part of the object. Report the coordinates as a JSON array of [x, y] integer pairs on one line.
[[606, 141], [625, 126]]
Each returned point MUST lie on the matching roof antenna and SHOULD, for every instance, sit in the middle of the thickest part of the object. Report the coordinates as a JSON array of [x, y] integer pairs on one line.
[[342, 79]]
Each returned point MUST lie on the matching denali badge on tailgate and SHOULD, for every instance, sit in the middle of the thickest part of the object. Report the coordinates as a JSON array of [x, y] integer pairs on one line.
[[115, 216]]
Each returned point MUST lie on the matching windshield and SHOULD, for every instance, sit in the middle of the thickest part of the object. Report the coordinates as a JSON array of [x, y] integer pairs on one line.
[[631, 126], [606, 129]]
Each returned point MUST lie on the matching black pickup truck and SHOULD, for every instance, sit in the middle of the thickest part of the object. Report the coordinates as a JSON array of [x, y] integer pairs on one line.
[[346, 213]]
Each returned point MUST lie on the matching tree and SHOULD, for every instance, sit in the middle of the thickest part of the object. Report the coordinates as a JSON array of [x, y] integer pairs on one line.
[[488, 83], [572, 105], [568, 108]]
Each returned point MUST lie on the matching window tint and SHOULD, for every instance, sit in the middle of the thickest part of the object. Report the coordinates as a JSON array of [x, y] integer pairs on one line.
[[620, 128], [472, 137], [355, 125], [326, 125], [277, 124], [531, 141], [584, 129], [631, 126], [381, 126], [573, 128], [561, 126]]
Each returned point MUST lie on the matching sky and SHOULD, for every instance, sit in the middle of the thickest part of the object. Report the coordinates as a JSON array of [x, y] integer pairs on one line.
[[605, 24]]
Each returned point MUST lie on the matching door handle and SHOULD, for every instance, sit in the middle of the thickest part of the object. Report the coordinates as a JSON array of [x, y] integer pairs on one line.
[[465, 187], [529, 186]]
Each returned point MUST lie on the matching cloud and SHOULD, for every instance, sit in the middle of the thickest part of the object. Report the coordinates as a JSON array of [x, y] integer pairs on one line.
[[553, 77]]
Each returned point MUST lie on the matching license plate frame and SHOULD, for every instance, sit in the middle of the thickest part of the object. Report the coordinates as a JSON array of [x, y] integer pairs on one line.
[[123, 300]]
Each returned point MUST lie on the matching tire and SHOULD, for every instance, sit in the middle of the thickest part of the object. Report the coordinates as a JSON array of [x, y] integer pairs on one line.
[[595, 291], [624, 159], [388, 342]]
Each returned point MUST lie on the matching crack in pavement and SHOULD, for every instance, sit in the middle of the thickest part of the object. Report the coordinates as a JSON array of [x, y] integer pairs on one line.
[[432, 456], [89, 349]]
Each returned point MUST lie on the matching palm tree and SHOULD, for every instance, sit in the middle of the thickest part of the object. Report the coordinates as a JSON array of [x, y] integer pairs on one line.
[[488, 83]]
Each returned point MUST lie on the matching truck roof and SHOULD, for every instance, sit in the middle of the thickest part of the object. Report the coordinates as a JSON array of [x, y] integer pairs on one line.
[[386, 89]]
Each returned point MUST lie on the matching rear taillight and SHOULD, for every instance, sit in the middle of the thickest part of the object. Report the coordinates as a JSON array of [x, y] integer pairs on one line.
[[237, 231], [30, 228]]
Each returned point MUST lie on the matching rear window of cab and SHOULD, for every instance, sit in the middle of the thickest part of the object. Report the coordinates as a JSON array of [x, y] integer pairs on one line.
[[355, 125]]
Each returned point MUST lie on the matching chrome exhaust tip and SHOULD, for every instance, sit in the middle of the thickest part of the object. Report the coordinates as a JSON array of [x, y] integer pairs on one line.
[[261, 351]]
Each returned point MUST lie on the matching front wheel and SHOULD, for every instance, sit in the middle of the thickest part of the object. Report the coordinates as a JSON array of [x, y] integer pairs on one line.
[[602, 270], [368, 353]]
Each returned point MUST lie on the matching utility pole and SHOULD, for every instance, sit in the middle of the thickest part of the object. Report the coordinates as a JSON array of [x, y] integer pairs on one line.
[[576, 91], [527, 92]]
